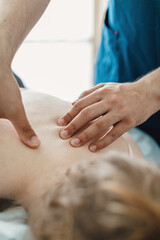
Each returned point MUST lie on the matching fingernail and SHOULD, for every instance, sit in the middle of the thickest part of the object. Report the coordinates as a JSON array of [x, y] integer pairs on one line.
[[35, 141], [93, 148], [75, 142], [61, 122], [64, 134]]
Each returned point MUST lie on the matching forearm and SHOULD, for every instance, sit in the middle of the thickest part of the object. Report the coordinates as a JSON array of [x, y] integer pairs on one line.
[[17, 18], [150, 84]]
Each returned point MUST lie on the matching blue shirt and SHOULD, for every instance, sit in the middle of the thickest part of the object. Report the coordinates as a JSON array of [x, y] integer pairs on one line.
[[130, 47]]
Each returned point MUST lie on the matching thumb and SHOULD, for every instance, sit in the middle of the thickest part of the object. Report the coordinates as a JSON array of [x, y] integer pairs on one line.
[[24, 129]]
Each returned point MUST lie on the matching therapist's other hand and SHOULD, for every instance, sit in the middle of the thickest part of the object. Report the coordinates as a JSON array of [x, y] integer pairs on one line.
[[11, 108], [114, 106]]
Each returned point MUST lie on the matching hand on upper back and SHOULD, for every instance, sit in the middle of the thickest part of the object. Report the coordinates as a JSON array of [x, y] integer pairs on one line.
[[11, 108], [111, 109]]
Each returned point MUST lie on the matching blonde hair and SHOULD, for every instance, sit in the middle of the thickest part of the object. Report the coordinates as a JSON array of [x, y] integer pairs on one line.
[[109, 198]]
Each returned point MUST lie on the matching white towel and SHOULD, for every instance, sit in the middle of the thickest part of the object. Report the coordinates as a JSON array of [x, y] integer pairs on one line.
[[13, 225]]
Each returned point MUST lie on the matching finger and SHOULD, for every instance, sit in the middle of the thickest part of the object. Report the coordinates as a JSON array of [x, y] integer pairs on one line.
[[86, 93], [90, 113], [24, 129], [78, 107], [117, 130], [95, 129], [102, 135]]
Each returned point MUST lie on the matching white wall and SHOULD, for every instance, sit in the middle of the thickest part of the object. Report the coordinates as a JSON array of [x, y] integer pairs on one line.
[[100, 9], [57, 56]]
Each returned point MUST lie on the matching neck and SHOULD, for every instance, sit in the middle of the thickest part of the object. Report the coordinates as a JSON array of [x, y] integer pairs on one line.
[[36, 201], [35, 194]]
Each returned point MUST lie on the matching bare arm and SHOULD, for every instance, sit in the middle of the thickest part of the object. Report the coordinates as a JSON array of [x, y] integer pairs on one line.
[[150, 84], [17, 18]]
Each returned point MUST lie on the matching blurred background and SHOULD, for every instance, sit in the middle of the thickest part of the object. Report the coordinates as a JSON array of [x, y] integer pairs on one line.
[[58, 55]]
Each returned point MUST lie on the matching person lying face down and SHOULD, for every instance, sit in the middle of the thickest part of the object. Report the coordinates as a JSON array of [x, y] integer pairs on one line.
[[66, 190], [110, 198]]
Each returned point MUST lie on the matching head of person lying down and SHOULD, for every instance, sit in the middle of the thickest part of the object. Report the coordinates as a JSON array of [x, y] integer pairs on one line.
[[106, 198]]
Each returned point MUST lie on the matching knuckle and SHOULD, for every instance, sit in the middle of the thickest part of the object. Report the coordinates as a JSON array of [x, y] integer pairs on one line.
[[123, 110], [101, 84], [103, 91], [27, 130], [107, 89], [131, 121], [114, 100], [113, 135], [72, 128], [83, 94], [100, 125], [85, 112], [78, 106], [84, 137], [68, 117]]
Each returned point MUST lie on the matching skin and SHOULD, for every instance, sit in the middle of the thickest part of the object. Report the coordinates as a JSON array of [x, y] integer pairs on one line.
[[28, 174], [122, 106], [17, 18]]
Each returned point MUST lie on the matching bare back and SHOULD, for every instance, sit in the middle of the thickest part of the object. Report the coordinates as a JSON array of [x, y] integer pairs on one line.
[[19, 164]]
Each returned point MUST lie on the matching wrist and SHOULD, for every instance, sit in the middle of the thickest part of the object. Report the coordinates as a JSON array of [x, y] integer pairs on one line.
[[149, 86]]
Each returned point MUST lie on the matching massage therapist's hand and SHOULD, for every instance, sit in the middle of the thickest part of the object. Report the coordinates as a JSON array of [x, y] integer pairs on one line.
[[11, 108], [110, 108]]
